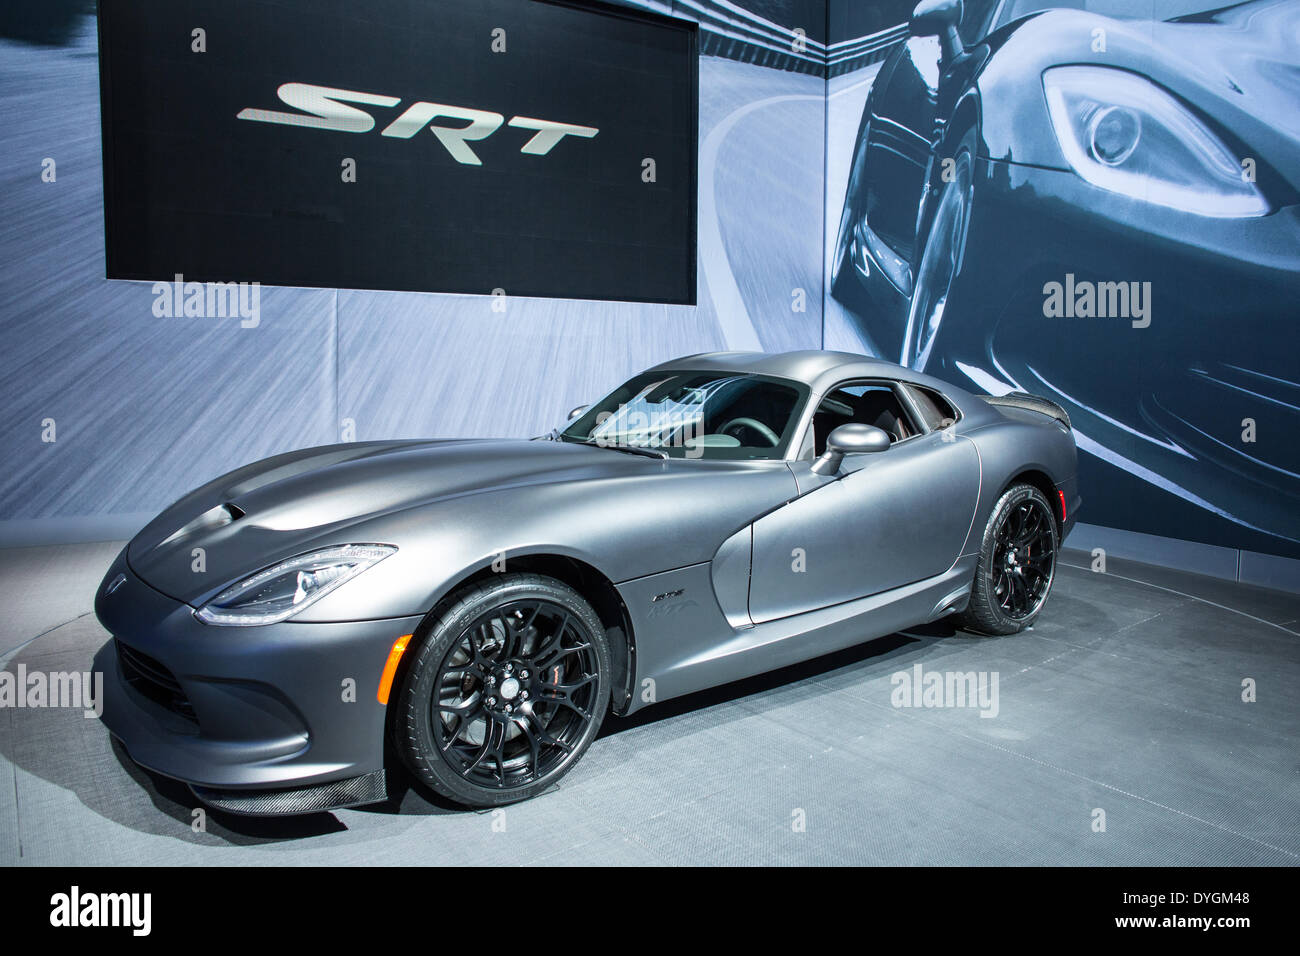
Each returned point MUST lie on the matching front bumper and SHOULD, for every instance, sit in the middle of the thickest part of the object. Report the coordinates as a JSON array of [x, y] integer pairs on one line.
[[236, 712], [1217, 286]]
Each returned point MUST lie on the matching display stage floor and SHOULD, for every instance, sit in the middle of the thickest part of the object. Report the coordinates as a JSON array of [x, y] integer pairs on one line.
[[1123, 706]]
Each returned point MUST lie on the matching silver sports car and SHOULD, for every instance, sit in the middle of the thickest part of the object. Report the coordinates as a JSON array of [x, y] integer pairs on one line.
[[474, 608]]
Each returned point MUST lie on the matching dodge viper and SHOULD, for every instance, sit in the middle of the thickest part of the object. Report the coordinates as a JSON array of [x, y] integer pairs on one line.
[[1097, 201], [285, 637]]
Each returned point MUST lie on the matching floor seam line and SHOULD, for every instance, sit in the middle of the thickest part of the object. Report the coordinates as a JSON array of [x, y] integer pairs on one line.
[[1101, 783], [1160, 587], [820, 681], [8, 655], [18, 817]]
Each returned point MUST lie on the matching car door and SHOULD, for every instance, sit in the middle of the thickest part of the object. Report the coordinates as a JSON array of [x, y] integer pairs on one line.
[[886, 519]]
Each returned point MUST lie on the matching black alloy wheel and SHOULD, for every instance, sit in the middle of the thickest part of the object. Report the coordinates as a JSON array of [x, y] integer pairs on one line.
[[1017, 564], [506, 692], [1024, 557]]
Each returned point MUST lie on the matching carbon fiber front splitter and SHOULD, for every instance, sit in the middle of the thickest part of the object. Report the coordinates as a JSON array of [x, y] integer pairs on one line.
[[318, 798]]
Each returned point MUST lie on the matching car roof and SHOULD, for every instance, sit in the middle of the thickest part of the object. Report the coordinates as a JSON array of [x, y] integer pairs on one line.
[[817, 368]]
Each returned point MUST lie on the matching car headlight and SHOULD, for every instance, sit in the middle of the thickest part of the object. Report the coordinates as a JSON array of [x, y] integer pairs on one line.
[[1120, 131], [279, 592]]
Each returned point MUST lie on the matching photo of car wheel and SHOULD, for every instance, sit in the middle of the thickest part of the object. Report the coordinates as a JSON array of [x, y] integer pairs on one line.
[[1044, 197]]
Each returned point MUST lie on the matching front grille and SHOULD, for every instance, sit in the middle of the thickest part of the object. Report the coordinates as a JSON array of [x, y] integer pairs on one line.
[[154, 681]]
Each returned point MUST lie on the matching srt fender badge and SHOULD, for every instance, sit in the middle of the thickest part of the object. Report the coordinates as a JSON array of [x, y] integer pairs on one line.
[[324, 107]]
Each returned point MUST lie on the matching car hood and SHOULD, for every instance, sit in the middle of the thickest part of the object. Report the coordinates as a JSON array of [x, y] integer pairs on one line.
[[1246, 57], [1238, 66], [283, 506]]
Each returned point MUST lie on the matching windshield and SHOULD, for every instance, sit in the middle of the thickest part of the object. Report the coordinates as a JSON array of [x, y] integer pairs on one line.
[[1119, 9], [696, 415]]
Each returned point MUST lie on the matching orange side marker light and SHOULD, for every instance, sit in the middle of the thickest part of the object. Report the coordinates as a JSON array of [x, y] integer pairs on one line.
[[390, 667]]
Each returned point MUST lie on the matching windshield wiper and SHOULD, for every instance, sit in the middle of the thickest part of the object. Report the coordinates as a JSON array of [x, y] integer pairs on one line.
[[630, 449]]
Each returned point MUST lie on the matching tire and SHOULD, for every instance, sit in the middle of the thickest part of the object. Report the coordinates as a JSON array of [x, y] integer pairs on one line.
[[941, 259], [506, 692], [845, 286], [1011, 588]]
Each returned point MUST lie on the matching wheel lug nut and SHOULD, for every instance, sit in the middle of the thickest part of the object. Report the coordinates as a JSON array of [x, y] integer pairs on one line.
[[524, 674], [523, 695], [491, 701]]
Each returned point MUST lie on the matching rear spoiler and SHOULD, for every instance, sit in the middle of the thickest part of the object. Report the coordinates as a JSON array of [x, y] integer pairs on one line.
[[1035, 403]]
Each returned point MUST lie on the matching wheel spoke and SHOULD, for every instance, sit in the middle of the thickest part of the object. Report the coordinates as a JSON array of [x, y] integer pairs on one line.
[[545, 737], [460, 671], [491, 744], [542, 654], [566, 690], [509, 637], [562, 653], [534, 746], [566, 702], [463, 709], [480, 637], [536, 662], [475, 650], [453, 735]]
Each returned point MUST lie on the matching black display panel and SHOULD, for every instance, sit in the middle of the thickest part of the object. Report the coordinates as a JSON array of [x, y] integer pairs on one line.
[[497, 144]]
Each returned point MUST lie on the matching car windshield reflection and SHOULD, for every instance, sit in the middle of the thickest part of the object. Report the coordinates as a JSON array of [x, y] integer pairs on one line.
[[695, 415]]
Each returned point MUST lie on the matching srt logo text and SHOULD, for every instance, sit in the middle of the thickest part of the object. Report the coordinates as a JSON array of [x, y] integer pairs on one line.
[[324, 107]]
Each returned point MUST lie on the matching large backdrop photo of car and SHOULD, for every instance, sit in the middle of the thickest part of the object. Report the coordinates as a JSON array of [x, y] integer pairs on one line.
[[1094, 201]]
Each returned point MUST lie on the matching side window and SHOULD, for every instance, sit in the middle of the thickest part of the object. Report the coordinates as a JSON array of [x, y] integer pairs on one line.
[[937, 410], [866, 402]]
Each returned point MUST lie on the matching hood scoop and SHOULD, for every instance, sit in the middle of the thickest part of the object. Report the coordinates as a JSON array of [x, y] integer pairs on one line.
[[210, 520]]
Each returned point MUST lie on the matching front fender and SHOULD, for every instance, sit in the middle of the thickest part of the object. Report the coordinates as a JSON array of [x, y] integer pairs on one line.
[[1016, 125], [626, 528]]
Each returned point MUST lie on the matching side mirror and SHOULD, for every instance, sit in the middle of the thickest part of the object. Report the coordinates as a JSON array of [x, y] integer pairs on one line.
[[577, 412], [939, 18], [850, 439]]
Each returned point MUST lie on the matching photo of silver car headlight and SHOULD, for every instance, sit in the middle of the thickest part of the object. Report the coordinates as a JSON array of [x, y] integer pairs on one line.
[[1124, 133]]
